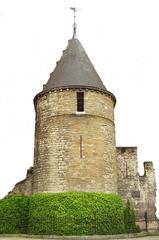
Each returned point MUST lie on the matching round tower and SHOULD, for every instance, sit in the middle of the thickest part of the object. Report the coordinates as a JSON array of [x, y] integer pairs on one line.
[[75, 146]]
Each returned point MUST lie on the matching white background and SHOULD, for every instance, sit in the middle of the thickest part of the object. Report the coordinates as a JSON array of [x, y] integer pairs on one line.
[[121, 37]]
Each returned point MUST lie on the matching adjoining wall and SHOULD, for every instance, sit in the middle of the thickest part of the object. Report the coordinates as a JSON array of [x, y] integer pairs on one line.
[[148, 191], [140, 190], [24, 186], [127, 171], [74, 150]]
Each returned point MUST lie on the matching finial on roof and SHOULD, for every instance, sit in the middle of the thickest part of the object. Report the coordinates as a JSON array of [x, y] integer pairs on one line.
[[74, 9]]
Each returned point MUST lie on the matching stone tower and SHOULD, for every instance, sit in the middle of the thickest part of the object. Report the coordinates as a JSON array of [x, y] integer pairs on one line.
[[75, 146]]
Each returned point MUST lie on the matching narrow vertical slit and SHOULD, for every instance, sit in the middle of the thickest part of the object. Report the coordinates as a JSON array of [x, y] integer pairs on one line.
[[126, 168], [81, 153]]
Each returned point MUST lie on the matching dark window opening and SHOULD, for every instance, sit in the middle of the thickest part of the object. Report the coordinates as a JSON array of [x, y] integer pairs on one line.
[[135, 194], [80, 101]]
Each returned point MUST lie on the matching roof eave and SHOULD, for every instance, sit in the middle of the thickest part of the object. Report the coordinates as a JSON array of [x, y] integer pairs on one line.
[[80, 88]]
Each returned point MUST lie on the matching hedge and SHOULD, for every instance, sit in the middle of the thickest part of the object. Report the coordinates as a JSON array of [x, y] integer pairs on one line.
[[14, 212], [71, 213], [76, 213]]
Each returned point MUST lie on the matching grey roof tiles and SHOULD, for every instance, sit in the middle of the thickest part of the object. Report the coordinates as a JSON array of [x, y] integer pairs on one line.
[[74, 70]]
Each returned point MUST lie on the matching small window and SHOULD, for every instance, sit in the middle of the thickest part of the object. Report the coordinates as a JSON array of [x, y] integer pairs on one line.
[[135, 194], [80, 101]]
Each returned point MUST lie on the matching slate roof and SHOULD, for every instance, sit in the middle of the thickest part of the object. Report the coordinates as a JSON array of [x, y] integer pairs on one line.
[[74, 70]]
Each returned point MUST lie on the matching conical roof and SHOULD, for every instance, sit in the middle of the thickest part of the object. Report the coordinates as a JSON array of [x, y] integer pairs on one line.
[[74, 70]]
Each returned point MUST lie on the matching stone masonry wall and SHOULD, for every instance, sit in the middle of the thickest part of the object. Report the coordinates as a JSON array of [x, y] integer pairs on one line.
[[140, 190], [24, 186], [74, 150], [128, 180], [148, 190]]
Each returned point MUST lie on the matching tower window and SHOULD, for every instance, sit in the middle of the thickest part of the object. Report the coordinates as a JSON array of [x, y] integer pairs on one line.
[[80, 101]]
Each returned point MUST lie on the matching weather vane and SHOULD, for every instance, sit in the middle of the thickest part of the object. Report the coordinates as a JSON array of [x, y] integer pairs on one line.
[[74, 9]]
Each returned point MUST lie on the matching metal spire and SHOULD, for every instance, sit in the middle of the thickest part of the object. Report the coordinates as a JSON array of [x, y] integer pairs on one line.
[[74, 9]]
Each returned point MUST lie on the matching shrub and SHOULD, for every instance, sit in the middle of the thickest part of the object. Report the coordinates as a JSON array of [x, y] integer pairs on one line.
[[71, 213], [14, 214], [76, 213], [129, 218]]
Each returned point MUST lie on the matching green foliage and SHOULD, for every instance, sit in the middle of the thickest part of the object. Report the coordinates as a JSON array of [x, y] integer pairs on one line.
[[76, 213], [129, 217], [14, 214], [71, 213]]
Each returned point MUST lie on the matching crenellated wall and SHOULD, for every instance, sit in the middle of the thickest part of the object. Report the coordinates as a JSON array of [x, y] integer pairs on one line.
[[140, 190]]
